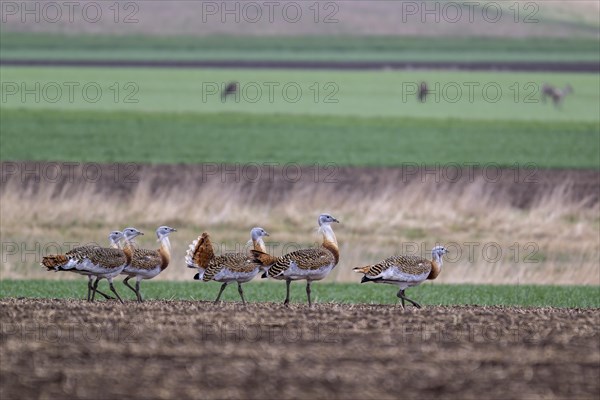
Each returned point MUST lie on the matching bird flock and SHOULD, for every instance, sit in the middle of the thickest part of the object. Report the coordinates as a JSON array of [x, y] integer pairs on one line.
[[124, 257]]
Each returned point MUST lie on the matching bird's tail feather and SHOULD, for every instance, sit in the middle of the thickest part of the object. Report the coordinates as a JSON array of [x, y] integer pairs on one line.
[[54, 261], [200, 252], [362, 270]]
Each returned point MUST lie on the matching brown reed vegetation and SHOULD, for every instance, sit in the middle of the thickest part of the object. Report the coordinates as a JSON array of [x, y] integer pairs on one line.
[[555, 240]]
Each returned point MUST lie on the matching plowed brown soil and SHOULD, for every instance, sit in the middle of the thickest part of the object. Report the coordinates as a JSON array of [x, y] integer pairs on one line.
[[179, 349]]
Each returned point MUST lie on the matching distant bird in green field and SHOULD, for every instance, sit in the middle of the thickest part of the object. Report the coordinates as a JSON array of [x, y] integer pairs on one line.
[[231, 88], [423, 92], [556, 94]]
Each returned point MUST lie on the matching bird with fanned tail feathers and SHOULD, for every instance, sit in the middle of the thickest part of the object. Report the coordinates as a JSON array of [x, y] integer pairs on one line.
[[308, 264], [228, 267], [405, 271], [95, 261], [146, 264], [199, 253]]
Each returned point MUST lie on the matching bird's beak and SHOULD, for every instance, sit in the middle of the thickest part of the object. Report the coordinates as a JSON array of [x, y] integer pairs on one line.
[[335, 220], [267, 234], [173, 230], [141, 234]]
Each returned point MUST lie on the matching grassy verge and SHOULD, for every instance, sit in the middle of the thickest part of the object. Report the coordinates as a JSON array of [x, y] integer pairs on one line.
[[428, 294], [183, 138], [337, 48]]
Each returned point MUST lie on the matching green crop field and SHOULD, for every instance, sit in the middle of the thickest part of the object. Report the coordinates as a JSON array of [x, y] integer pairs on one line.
[[169, 115], [321, 48], [193, 138], [351, 293], [466, 95]]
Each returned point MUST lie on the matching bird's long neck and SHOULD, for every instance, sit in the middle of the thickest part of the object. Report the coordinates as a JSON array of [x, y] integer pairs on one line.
[[259, 245], [328, 235], [128, 254], [165, 252], [128, 249], [330, 241], [436, 266], [130, 244]]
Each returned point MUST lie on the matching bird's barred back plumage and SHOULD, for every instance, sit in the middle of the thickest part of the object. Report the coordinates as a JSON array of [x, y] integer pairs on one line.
[[407, 264], [148, 259], [106, 257], [56, 261], [236, 262], [304, 259]]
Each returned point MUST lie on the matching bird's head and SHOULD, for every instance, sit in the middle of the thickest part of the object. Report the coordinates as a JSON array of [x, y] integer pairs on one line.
[[326, 219], [115, 237], [164, 231], [439, 251], [257, 233], [130, 233]]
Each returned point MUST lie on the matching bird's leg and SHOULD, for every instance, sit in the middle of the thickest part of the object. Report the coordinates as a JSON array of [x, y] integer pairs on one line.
[[241, 293], [107, 297], [223, 286], [94, 289], [414, 303], [90, 279], [112, 287], [126, 282], [287, 292], [308, 293], [137, 291], [402, 297]]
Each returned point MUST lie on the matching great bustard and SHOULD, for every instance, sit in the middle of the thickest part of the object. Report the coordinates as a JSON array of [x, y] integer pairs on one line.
[[231, 88], [556, 94], [405, 271], [228, 267], [199, 253], [423, 92], [95, 261], [308, 264], [146, 264], [114, 238]]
